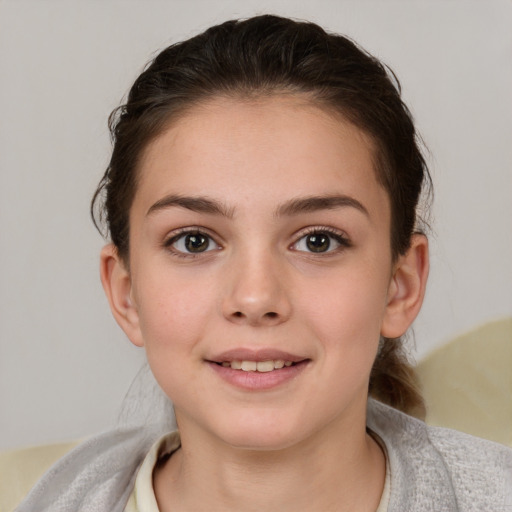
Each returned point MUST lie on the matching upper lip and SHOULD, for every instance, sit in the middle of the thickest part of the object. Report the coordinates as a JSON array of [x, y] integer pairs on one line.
[[263, 354]]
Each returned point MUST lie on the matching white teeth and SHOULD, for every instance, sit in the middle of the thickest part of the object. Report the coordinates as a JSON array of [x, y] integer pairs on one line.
[[249, 366], [256, 366], [265, 366]]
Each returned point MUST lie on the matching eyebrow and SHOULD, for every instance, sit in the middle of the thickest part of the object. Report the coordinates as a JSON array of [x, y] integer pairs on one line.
[[316, 203], [297, 206], [196, 204]]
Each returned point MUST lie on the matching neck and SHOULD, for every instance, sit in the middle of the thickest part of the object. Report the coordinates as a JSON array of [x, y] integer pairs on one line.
[[328, 471]]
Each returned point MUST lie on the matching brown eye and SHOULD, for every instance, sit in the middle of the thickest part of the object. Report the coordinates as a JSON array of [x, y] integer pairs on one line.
[[321, 241], [192, 242], [196, 242], [318, 242]]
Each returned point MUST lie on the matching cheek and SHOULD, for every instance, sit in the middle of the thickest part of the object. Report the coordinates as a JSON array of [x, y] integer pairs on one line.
[[172, 311], [347, 311], [173, 320]]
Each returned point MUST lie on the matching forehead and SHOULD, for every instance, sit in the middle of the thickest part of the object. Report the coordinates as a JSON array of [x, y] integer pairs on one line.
[[283, 144]]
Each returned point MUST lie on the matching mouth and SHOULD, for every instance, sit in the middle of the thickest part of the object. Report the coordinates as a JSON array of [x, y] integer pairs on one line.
[[258, 370], [257, 366]]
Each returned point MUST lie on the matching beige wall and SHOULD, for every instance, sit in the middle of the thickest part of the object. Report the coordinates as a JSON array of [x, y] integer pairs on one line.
[[64, 365]]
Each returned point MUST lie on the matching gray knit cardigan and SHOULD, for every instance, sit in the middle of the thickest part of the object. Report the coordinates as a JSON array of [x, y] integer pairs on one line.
[[432, 469]]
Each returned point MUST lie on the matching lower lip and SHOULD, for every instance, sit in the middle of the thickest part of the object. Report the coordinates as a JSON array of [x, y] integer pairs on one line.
[[258, 381]]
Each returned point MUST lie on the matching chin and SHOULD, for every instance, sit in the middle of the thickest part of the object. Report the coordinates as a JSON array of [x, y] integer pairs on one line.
[[259, 435]]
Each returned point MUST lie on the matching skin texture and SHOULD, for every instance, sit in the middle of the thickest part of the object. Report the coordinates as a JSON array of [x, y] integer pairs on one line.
[[299, 445]]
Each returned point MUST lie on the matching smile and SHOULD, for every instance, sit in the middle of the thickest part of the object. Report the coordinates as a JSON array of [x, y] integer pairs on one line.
[[258, 370], [258, 373], [257, 366]]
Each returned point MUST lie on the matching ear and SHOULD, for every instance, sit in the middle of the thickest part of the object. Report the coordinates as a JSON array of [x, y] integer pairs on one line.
[[406, 288], [116, 281]]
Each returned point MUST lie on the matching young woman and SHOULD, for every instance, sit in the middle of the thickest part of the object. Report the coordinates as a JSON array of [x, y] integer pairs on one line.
[[266, 252]]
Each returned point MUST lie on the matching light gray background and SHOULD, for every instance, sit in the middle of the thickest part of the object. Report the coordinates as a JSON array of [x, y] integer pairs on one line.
[[64, 65]]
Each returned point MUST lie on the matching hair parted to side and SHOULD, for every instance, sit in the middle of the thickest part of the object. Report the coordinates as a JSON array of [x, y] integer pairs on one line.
[[262, 56]]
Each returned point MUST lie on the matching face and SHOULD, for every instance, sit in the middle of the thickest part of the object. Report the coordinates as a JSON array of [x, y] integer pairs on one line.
[[260, 239]]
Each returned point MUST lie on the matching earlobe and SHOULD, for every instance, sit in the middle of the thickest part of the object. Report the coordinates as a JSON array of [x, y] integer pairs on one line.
[[406, 289], [116, 281]]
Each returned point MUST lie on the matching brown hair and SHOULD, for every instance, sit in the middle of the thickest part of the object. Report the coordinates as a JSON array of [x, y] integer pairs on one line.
[[261, 56]]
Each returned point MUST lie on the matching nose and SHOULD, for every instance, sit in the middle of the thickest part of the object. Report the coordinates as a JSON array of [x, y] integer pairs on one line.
[[257, 293]]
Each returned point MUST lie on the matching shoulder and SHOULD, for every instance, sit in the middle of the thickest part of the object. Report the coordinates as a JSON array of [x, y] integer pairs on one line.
[[480, 470], [436, 468], [100, 472], [20, 469]]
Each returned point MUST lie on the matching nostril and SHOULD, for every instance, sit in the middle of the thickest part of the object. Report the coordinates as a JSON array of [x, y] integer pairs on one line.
[[253, 317]]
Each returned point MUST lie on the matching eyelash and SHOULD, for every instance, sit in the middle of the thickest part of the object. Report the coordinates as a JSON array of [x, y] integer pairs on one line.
[[333, 234], [182, 233]]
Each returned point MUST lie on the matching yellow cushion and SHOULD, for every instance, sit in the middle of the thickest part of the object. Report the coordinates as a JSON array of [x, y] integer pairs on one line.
[[467, 383], [21, 469]]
